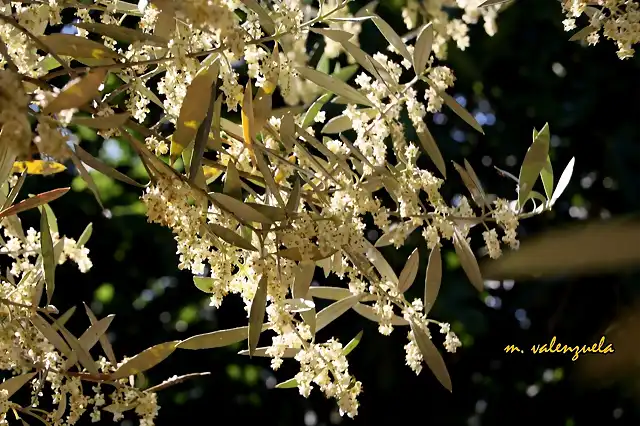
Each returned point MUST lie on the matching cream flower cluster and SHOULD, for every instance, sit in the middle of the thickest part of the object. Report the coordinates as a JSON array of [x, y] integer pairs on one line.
[[416, 12], [617, 20], [24, 348]]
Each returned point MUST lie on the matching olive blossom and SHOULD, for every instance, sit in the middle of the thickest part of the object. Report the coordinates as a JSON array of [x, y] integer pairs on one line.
[[283, 193]]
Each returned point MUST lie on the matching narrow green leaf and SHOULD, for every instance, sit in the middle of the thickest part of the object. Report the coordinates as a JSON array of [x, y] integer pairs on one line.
[[333, 85], [461, 111], [205, 284], [202, 137], [80, 353], [422, 49], [50, 334], [267, 175], [392, 37], [352, 344], [303, 277], [533, 163], [294, 197], [369, 313], [409, 272], [288, 384], [86, 176], [313, 111], [565, 177], [431, 356], [232, 183], [433, 279], [94, 163], [14, 384], [77, 92], [263, 16], [381, 264], [121, 33], [468, 260], [103, 339], [33, 202], [431, 148], [335, 310], [231, 237], [334, 34], [86, 234], [546, 174], [215, 339], [145, 360], [240, 210], [48, 260], [256, 314]]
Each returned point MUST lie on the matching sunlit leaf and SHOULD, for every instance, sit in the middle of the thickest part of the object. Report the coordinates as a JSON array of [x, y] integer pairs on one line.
[[533, 163], [287, 384], [48, 260], [145, 360], [77, 92], [431, 356], [335, 310], [240, 210], [103, 168], [409, 272], [369, 313], [105, 122], [461, 111], [431, 148], [256, 314], [38, 167], [546, 174], [14, 384], [468, 260], [333, 85], [392, 37], [303, 277], [230, 236], [565, 177], [79, 352], [103, 339], [353, 343], [334, 34], [422, 49], [121, 33], [50, 334], [263, 16], [77, 47], [433, 279]]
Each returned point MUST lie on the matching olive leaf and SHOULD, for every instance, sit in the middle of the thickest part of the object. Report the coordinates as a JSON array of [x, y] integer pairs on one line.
[[101, 123], [256, 314], [230, 236], [240, 210], [50, 334], [333, 85], [79, 352], [262, 352], [89, 338], [77, 47], [342, 123], [461, 111], [48, 260], [263, 16], [302, 279], [314, 109], [121, 33], [335, 310], [288, 384], [546, 174], [369, 313], [77, 92], [216, 339], [86, 234], [476, 194], [367, 62], [583, 33], [232, 182], [103, 339], [392, 37], [422, 49], [330, 293], [294, 196], [467, 260], [409, 272], [431, 147], [14, 384], [334, 34], [431, 356], [433, 279], [84, 173], [98, 165], [195, 106], [532, 165], [145, 360], [565, 177], [353, 343]]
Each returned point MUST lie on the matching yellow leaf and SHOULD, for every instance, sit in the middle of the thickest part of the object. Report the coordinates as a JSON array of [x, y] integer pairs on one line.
[[38, 167]]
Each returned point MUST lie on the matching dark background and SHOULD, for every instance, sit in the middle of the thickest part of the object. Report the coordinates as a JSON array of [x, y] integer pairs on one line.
[[526, 75]]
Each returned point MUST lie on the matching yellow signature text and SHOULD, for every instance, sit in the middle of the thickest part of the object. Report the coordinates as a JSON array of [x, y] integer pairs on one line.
[[555, 347]]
